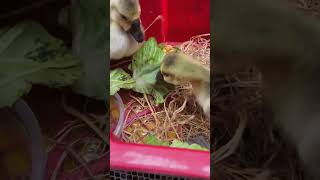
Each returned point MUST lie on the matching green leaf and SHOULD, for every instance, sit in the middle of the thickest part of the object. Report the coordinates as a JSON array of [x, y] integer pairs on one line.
[[160, 90], [178, 144], [120, 79], [145, 66], [88, 23], [29, 55], [153, 140]]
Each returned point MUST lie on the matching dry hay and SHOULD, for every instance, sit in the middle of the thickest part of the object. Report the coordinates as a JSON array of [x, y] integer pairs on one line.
[[308, 7], [178, 118], [198, 47], [84, 142], [247, 144]]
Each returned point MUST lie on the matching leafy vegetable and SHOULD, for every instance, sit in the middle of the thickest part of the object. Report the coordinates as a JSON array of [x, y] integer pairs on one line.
[[29, 55], [160, 90], [145, 65], [87, 21], [153, 140], [178, 144], [120, 79]]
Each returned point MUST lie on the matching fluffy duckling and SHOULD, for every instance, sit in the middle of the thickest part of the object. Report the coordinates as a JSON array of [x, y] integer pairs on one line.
[[284, 46], [178, 68], [126, 31]]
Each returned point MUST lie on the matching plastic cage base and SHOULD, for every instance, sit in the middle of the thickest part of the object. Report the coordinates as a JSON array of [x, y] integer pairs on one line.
[[127, 175]]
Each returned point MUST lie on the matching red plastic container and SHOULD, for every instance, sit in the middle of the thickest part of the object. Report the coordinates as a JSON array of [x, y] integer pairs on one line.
[[182, 19]]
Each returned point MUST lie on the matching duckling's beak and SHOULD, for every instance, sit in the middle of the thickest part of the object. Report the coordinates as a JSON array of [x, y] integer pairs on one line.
[[136, 32]]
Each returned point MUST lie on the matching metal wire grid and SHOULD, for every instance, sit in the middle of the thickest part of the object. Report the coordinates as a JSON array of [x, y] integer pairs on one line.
[[127, 175]]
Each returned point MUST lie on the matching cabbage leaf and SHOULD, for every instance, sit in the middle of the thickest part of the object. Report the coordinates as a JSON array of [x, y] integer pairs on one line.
[[29, 55]]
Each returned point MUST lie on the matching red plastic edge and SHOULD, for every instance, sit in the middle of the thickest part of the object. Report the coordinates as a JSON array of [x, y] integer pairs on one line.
[[159, 160]]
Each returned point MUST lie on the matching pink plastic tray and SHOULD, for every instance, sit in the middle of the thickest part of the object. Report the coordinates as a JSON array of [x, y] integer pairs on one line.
[[182, 19]]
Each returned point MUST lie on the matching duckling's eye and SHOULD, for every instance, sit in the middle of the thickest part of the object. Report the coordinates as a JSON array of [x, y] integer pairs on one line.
[[124, 17], [165, 74]]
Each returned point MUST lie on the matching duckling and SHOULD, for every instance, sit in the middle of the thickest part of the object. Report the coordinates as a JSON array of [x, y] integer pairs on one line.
[[284, 45], [126, 30], [178, 68]]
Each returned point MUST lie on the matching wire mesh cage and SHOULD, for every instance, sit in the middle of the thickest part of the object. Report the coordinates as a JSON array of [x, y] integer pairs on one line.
[[130, 175]]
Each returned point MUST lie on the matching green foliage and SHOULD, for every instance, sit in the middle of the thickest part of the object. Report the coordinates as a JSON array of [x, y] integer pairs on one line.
[[145, 67], [120, 79], [29, 55], [153, 140]]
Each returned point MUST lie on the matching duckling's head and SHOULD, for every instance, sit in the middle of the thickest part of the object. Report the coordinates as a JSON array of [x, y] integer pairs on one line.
[[127, 14], [177, 68]]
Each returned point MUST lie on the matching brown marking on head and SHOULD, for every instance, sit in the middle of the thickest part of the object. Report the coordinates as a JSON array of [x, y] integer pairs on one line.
[[130, 9], [170, 60]]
